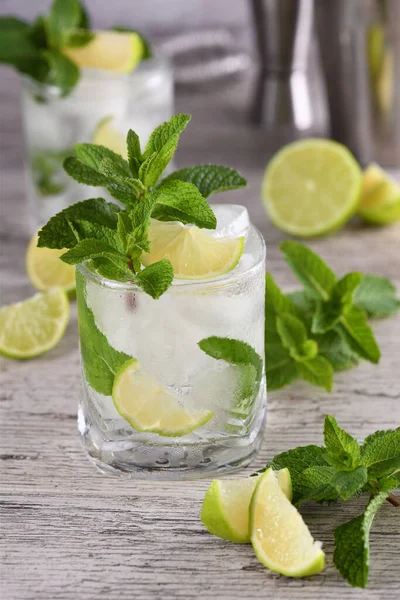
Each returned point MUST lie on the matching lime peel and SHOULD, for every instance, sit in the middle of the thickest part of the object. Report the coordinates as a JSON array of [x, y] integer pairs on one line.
[[45, 269]]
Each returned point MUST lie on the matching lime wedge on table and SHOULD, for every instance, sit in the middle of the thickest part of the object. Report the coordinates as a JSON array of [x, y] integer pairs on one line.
[[149, 407], [380, 197], [311, 187], [225, 510], [106, 135], [32, 327], [109, 50], [280, 538], [194, 254], [45, 269]]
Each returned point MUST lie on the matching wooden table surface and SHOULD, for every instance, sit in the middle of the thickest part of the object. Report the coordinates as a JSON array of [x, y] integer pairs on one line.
[[69, 533]]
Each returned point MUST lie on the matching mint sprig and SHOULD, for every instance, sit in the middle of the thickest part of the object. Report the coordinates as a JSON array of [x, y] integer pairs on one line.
[[113, 240], [340, 470], [312, 333], [36, 49]]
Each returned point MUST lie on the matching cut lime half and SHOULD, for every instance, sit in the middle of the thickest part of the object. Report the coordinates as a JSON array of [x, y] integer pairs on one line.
[[150, 407], [45, 269], [34, 326], [311, 187], [280, 538], [108, 50], [380, 198], [225, 510], [194, 254]]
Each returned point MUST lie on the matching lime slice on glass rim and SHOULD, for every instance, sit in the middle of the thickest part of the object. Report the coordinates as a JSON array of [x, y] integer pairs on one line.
[[225, 510], [34, 326], [380, 197], [150, 407], [107, 135], [194, 253], [311, 187], [280, 538], [109, 50], [45, 269]]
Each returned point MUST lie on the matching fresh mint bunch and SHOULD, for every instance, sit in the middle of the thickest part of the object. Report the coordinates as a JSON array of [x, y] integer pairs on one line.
[[323, 328], [113, 239], [343, 469], [36, 49]]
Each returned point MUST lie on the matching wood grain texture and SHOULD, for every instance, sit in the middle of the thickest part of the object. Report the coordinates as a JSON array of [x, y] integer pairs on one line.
[[68, 533]]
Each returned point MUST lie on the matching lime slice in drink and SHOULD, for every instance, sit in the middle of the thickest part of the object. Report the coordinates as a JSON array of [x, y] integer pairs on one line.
[[45, 269], [380, 197], [106, 135], [225, 510], [150, 407], [34, 326], [280, 538], [311, 187], [108, 50], [194, 254]]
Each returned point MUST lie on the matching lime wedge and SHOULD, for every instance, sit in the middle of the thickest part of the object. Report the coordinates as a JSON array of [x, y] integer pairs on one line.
[[280, 538], [109, 50], [225, 510], [149, 407], [311, 187], [106, 135], [194, 254], [380, 197], [34, 326], [45, 269]]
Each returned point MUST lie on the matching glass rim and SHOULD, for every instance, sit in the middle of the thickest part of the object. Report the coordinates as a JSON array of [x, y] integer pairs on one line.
[[180, 285], [102, 76]]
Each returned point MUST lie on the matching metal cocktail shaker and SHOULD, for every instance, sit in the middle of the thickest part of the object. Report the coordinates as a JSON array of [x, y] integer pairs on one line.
[[360, 50]]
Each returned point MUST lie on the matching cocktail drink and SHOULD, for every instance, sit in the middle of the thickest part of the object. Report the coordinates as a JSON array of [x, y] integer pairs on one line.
[[181, 412], [170, 293], [101, 108]]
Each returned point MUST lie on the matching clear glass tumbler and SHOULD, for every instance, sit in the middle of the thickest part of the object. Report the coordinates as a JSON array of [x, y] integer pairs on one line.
[[140, 100], [118, 323]]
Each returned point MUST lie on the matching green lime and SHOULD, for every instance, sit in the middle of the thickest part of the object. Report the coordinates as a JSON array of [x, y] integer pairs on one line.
[[45, 269], [280, 538], [106, 135], [149, 407], [34, 326], [311, 187], [225, 510]]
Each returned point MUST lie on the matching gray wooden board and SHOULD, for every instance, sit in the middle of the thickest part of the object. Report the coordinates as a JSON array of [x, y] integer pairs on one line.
[[69, 533]]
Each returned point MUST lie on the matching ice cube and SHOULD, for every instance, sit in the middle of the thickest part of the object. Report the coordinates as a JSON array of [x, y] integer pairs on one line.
[[232, 220]]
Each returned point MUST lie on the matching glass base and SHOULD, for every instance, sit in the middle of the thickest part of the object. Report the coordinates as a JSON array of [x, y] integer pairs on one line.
[[173, 461]]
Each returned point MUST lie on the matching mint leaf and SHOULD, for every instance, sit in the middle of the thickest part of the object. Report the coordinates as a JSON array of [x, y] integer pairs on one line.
[[114, 170], [156, 278], [209, 179], [276, 303], [317, 485], [232, 351], [346, 286], [342, 450], [157, 165], [317, 371], [63, 72], [380, 453], [92, 248], [297, 461], [377, 296], [16, 47], [354, 328], [294, 337], [333, 347], [128, 192], [181, 201], [303, 301], [88, 229], [163, 132], [280, 367], [100, 361], [347, 483], [310, 269], [93, 154], [351, 556], [83, 174], [59, 231], [134, 152], [64, 16], [8, 24], [326, 316], [79, 38]]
